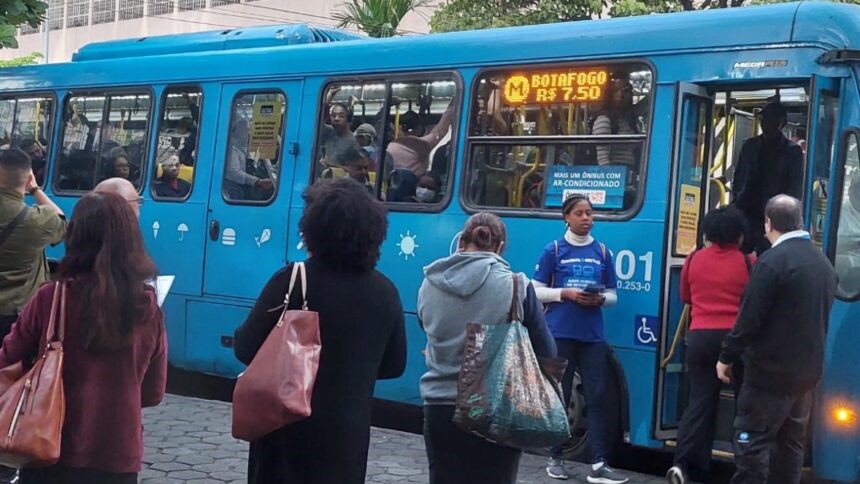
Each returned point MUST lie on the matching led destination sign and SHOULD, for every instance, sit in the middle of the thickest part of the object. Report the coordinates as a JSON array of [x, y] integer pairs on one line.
[[556, 86]]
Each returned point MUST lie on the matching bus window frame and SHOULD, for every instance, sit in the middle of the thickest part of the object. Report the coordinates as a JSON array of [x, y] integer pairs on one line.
[[555, 212], [836, 211], [107, 93], [388, 79], [281, 151], [161, 107], [51, 125]]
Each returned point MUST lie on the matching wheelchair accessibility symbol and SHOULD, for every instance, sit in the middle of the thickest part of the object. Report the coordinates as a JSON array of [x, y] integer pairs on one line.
[[646, 330]]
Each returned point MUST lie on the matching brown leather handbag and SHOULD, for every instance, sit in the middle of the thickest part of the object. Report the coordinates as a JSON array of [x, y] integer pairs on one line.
[[276, 388], [32, 403]]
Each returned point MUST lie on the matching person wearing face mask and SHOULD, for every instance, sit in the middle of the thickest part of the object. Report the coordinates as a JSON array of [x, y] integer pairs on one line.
[[575, 279], [429, 188], [769, 164]]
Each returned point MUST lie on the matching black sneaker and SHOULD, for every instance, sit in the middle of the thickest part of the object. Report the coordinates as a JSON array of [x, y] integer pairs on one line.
[[606, 475], [676, 476]]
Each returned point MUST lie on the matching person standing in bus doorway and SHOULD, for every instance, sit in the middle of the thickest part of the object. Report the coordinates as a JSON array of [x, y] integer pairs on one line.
[[780, 331], [575, 278], [769, 164], [712, 281], [473, 284]]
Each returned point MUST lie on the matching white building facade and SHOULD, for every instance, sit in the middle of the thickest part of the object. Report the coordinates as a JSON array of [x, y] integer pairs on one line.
[[74, 23]]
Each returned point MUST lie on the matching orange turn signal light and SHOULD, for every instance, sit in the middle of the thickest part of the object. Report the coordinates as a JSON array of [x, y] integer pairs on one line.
[[843, 415]]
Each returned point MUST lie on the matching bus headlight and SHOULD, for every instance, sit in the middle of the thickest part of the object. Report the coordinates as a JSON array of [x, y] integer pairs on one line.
[[844, 416]]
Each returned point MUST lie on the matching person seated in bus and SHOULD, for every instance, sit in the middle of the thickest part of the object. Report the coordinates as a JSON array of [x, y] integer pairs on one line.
[[402, 184], [237, 181], [712, 282], [356, 164], [38, 156], [169, 185], [411, 150], [619, 116], [77, 171], [365, 136], [118, 165], [429, 189], [770, 164], [336, 137]]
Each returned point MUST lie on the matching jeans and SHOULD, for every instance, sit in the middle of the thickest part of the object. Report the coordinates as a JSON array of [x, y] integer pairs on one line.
[[58, 474], [457, 457], [592, 361]]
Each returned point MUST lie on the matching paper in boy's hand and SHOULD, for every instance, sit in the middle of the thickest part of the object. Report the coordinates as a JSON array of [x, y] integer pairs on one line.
[[162, 287]]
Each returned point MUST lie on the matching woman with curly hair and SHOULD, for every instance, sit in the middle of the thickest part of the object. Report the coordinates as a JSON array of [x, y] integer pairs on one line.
[[362, 333]]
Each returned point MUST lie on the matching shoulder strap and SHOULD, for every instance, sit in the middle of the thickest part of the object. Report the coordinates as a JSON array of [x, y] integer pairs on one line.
[[748, 263], [556, 248], [298, 272], [10, 227], [515, 307], [603, 251]]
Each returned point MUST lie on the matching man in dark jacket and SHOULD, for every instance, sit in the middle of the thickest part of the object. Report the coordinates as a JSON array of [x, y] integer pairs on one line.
[[780, 331], [769, 164]]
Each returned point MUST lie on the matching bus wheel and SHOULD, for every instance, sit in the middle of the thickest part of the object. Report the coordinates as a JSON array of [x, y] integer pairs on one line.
[[578, 448]]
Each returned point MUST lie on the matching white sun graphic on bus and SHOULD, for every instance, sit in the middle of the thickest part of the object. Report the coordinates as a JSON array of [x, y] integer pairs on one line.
[[407, 245]]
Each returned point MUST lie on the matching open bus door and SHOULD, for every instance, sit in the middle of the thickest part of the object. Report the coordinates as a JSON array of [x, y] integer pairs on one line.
[[691, 153]]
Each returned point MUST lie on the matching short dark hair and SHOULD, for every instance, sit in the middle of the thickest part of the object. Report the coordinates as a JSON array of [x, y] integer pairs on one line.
[[775, 109], [785, 213], [26, 143], [343, 225], [434, 176], [724, 226], [15, 165], [350, 155]]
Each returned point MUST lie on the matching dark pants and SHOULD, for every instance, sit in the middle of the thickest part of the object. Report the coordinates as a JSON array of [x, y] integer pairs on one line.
[[698, 424], [457, 457], [770, 431], [67, 475], [592, 362]]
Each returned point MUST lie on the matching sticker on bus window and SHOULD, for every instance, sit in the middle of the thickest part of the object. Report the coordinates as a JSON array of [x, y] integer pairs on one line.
[[604, 185], [688, 219]]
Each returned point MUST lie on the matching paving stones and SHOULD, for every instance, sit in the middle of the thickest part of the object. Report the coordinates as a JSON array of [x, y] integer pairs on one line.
[[187, 441]]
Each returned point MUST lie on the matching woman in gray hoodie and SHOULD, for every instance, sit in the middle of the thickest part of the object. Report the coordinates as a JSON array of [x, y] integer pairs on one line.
[[473, 285]]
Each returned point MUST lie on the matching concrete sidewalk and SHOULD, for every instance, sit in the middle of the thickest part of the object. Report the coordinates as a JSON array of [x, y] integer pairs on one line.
[[187, 440]]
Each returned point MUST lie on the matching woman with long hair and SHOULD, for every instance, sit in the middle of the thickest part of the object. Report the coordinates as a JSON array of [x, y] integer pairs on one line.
[[361, 330], [115, 345], [575, 277], [474, 284]]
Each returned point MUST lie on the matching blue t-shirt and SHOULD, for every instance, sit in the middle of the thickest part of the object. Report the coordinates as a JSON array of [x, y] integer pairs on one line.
[[575, 267]]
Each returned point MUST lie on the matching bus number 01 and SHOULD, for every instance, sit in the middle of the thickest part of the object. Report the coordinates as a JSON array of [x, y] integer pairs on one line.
[[626, 265]]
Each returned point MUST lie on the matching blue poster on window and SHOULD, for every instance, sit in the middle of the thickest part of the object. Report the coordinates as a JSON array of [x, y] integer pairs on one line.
[[604, 185]]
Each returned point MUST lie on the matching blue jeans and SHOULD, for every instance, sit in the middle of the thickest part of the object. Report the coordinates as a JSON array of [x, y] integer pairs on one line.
[[592, 361]]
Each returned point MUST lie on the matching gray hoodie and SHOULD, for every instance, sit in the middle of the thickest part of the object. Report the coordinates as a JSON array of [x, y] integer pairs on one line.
[[469, 287]]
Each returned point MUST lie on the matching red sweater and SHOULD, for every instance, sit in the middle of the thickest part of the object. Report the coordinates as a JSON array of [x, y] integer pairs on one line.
[[104, 390], [713, 281]]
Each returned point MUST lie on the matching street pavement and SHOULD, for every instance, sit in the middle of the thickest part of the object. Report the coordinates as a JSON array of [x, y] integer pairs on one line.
[[187, 440]]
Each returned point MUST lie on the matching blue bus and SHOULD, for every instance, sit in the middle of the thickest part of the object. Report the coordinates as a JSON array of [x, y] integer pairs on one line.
[[502, 120]]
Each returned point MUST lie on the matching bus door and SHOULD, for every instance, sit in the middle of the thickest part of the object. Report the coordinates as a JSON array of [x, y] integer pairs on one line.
[[690, 187], [251, 188]]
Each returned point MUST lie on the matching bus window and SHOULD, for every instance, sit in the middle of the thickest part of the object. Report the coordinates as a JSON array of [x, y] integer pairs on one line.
[[401, 128], [104, 136], [568, 129], [847, 260], [176, 153], [25, 123], [254, 148]]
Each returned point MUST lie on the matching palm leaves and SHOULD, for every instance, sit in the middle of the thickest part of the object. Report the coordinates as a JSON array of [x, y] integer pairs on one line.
[[377, 18]]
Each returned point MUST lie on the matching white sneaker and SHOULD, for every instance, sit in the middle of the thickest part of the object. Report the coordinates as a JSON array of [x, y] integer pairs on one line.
[[676, 476]]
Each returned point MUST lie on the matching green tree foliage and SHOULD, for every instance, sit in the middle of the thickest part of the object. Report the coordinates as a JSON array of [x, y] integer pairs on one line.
[[14, 13], [26, 60], [376, 18], [457, 15]]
